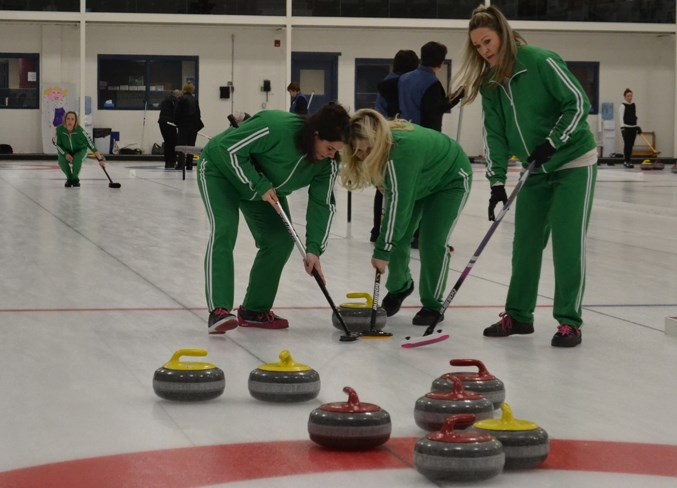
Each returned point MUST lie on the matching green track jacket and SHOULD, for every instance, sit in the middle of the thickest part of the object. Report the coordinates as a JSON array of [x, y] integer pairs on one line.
[[262, 154], [421, 162], [70, 143], [542, 100]]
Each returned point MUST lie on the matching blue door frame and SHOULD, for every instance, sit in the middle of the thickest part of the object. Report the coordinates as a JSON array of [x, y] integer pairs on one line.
[[326, 62]]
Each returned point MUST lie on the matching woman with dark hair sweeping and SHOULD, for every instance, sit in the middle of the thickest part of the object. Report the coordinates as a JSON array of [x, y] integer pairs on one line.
[[426, 178], [72, 146], [252, 168], [536, 109]]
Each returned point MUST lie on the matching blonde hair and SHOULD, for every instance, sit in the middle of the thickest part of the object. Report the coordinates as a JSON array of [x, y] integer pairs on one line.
[[188, 88], [370, 126], [474, 70]]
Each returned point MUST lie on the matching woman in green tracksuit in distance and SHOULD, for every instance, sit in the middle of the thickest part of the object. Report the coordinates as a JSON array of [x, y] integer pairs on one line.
[[251, 168], [426, 178], [534, 108], [72, 146]]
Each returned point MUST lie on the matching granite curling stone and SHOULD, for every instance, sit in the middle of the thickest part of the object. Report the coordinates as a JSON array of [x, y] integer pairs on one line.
[[350, 425], [188, 380], [284, 382], [458, 455], [481, 382], [357, 315], [432, 409], [525, 444]]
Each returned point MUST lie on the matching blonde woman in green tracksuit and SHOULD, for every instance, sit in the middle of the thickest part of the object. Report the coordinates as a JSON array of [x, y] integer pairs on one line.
[[426, 178], [251, 168], [72, 146], [535, 109]]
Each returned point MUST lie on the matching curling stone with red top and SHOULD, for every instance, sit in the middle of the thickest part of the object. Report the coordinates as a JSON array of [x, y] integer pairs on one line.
[[286, 381], [357, 315], [188, 380], [525, 443], [351, 425], [481, 382], [458, 455], [432, 409]]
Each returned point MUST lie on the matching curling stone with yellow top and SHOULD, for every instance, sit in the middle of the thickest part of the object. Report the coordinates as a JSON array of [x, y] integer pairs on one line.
[[525, 444], [357, 315], [481, 382], [188, 380], [351, 425], [458, 455], [284, 382]]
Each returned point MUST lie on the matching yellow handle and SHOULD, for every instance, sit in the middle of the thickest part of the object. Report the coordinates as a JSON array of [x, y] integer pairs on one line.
[[368, 303], [176, 364]]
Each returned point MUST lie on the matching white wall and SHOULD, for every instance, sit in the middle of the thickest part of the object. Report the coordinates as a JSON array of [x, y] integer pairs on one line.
[[643, 62]]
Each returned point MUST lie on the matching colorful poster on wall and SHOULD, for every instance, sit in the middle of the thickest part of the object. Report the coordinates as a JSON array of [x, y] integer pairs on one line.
[[56, 100]]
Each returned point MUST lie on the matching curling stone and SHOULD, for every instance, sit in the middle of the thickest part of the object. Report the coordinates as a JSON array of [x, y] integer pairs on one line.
[[481, 382], [646, 164], [525, 444], [357, 315], [286, 381], [349, 426], [458, 455], [432, 409], [188, 380]]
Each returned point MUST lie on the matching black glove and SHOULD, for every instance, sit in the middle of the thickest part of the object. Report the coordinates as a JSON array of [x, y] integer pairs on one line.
[[456, 97], [541, 154], [497, 195], [639, 130]]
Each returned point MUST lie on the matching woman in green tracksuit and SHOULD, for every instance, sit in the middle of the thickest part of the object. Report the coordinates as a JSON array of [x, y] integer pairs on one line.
[[72, 146], [535, 109], [426, 178], [252, 168]]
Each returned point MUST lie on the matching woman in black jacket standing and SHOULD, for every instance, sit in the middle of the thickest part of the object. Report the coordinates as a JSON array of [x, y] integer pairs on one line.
[[629, 128], [168, 127], [188, 121]]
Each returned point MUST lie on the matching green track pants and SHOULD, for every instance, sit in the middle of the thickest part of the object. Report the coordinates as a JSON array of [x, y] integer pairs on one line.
[[560, 204], [435, 216], [222, 202], [78, 158]]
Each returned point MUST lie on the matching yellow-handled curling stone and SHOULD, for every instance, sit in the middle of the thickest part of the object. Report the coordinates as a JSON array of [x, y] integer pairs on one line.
[[525, 443], [350, 425], [285, 381], [432, 409], [481, 382], [357, 314], [458, 455], [188, 380]]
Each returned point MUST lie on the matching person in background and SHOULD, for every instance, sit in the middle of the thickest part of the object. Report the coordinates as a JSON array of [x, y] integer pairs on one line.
[[627, 114], [426, 178], [72, 146], [299, 102], [168, 127], [388, 105], [188, 120], [553, 134], [251, 169]]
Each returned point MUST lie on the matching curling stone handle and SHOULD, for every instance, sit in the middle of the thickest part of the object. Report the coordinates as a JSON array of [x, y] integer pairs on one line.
[[460, 419], [187, 352], [353, 399], [367, 297], [482, 369]]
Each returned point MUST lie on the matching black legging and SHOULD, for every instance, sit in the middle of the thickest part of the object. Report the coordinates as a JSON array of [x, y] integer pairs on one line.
[[629, 134], [186, 137]]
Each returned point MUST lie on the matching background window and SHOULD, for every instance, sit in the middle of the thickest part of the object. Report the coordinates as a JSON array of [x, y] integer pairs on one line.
[[587, 73], [19, 80], [142, 82]]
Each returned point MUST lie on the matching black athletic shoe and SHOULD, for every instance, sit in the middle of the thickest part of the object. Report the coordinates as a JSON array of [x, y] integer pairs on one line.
[[426, 316], [220, 321], [628, 164], [507, 326], [393, 301], [68, 184], [567, 336], [261, 320]]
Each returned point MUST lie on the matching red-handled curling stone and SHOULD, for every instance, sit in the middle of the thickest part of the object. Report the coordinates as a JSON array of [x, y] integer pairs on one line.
[[481, 382], [351, 425], [188, 380], [286, 381], [525, 443], [432, 409], [458, 455], [357, 315]]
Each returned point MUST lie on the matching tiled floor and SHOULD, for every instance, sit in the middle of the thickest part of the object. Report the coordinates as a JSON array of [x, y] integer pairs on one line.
[[100, 286]]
